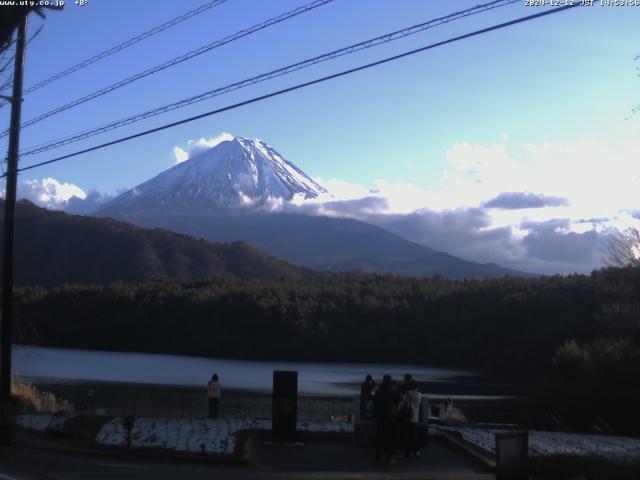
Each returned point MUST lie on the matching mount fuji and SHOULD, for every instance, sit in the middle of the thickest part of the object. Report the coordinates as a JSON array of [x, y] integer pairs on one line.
[[235, 176], [233, 192]]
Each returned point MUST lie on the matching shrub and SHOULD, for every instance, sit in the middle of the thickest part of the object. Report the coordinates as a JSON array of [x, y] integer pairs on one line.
[[27, 398]]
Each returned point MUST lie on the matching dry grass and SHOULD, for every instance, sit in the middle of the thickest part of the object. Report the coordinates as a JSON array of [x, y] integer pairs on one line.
[[28, 399]]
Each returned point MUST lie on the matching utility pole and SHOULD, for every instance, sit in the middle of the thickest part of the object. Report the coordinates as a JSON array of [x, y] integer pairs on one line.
[[6, 318]]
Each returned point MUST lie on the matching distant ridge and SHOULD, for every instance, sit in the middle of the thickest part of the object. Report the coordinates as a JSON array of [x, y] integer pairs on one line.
[[329, 244], [53, 248]]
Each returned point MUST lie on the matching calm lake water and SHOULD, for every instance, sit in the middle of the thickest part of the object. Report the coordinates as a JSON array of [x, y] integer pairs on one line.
[[52, 365]]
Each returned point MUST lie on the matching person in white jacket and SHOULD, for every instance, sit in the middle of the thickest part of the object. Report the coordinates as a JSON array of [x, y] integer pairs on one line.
[[213, 395], [409, 408]]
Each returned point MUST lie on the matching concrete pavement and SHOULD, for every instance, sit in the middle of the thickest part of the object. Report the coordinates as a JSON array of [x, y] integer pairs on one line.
[[318, 459]]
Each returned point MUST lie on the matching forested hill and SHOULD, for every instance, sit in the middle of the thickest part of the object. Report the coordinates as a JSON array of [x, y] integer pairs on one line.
[[53, 248], [508, 324], [576, 337]]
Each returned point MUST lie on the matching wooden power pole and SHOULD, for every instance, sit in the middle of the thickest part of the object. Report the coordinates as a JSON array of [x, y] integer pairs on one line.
[[6, 316]]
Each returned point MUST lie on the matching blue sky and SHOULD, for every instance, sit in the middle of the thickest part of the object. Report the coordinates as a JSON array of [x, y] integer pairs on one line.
[[553, 89]]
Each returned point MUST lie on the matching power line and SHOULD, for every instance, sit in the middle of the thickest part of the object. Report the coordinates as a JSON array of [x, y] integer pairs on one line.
[[305, 84], [177, 60], [267, 76], [125, 44]]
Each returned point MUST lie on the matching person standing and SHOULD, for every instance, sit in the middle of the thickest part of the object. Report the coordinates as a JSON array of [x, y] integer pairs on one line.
[[409, 409], [366, 387], [366, 398], [213, 395], [384, 411], [408, 378]]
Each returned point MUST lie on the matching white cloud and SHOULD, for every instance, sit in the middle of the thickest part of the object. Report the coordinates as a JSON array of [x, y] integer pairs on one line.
[[598, 181], [181, 154], [49, 192], [590, 186], [195, 147], [55, 195], [343, 190]]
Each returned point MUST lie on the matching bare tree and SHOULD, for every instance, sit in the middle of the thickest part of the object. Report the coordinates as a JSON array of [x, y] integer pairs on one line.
[[622, 249], [635, 109]]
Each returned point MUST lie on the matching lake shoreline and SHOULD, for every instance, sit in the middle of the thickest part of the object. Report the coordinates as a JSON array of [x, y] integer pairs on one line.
[[122, 399], [96, 366], [164, 385]]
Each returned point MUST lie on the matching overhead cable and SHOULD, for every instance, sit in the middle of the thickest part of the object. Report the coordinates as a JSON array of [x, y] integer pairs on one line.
[[125, 44], [174, 61], [305, 84], [386, 38]]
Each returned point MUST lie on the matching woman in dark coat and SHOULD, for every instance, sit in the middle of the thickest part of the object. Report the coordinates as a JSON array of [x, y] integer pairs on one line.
[[213, 395], [385, 404]]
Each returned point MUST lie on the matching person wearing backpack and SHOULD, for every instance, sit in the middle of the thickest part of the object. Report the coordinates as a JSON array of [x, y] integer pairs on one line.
[[409, 414]]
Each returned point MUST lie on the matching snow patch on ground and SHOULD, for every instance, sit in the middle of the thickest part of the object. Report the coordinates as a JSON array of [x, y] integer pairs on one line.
[[39, 423], [218, 436], [324, 427], [543, 443], [199, 435], [43, 422], [57, 422], [113, 433], [193, 435]]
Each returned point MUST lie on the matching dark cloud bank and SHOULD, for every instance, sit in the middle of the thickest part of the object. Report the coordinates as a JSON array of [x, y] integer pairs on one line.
[[547, 247], [520, 200]]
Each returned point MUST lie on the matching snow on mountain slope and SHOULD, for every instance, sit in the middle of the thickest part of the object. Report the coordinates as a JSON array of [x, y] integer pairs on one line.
[[237, 174]]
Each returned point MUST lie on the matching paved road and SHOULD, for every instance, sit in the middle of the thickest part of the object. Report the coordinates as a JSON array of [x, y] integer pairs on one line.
[[316, 460]]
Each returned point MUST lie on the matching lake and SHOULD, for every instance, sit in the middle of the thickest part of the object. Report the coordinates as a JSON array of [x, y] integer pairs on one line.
[[53, 365]]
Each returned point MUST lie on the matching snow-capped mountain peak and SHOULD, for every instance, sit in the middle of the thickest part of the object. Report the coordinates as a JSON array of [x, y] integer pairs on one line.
[[235, 174]]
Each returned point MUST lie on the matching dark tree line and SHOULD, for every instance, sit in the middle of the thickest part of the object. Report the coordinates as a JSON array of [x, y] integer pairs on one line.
[[499, 325], [575, 338]]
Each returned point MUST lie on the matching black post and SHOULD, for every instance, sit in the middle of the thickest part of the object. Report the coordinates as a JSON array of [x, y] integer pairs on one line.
[[6, 318], [284, 417]]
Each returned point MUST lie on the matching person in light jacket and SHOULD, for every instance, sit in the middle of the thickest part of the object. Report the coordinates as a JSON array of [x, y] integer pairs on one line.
[[366, 387], [213, 394], [410, 403]]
